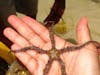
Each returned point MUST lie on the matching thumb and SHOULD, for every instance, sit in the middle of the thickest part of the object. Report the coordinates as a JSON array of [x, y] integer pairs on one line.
[[83, 33]]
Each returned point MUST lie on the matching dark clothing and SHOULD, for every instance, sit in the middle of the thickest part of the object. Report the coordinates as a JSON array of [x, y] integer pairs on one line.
[[9, 7], [30, 9]]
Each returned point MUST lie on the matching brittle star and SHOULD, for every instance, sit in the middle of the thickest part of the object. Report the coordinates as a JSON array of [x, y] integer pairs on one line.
[[54, 54]]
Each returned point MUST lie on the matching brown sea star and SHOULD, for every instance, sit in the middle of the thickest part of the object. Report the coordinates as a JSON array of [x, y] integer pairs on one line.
[[54, 54]]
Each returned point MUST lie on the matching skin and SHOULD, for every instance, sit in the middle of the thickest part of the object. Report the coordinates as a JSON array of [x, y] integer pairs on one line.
[[29, 32]]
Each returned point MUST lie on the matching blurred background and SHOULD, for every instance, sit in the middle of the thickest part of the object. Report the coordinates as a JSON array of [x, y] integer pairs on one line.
[[75, 9]]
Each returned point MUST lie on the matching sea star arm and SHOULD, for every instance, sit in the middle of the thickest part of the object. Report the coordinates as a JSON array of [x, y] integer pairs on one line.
[[62, 64], [48, 66], [74, 48], [37, 49]]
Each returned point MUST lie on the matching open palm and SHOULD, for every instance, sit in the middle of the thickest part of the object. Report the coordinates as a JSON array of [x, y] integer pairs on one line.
[[29, 32]]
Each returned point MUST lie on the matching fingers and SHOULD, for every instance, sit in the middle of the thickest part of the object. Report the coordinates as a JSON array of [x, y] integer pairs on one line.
[[32, 31], [25, 31], [37, 27], [42, 31], [83, 33], [15, 37], [18, 40]]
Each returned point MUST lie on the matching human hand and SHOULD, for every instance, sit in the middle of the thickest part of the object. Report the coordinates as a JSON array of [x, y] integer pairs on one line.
[[29, 32]]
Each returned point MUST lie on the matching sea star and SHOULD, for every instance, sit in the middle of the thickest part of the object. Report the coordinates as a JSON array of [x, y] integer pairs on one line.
[[54, 54]]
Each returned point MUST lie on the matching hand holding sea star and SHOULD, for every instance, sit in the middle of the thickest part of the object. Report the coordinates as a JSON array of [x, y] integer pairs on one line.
[[54, 54]]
